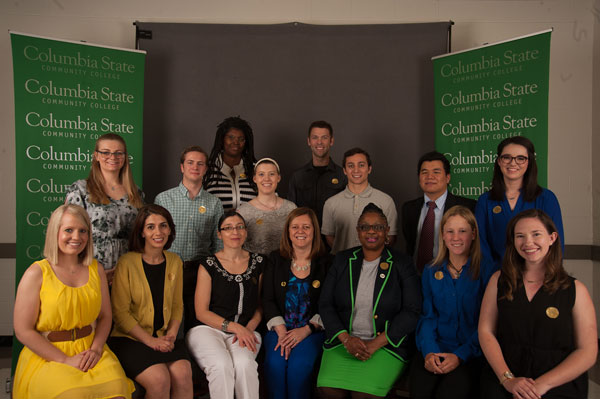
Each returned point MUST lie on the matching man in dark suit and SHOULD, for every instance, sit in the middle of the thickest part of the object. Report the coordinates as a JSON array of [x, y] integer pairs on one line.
[[434, 176]]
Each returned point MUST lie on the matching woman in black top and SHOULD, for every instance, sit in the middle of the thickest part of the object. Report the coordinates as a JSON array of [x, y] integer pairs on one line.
[[291, 290], [537, 326], [224, 341]]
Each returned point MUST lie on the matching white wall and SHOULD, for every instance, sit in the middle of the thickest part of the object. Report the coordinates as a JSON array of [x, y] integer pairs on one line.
[[575, 23]]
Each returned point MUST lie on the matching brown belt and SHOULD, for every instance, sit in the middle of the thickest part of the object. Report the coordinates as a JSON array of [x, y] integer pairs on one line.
[[69, 335]]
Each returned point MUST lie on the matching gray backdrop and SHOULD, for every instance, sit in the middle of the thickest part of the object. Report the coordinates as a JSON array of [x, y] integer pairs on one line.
[[373, 83]]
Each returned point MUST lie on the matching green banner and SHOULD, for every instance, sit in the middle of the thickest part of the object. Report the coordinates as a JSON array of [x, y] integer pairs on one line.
[[67, 94], [485, 95]]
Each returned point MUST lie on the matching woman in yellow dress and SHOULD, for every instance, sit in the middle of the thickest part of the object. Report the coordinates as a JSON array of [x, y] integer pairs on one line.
[[62, 315]]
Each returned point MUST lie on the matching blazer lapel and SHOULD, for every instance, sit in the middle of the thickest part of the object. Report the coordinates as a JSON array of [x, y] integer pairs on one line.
[[354, 267], [383, 272]]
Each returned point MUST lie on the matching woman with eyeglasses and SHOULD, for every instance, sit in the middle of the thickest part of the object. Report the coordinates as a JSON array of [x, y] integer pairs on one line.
[[514, 189], [370, 306], [111, 199], [291, 289], [449, 358], [230, 164], [265, 215], [223, 339]]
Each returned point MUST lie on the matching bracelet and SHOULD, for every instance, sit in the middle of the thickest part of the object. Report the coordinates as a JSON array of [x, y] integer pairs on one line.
[[506, 376], [224, 325], [346, 340], [312, 328]]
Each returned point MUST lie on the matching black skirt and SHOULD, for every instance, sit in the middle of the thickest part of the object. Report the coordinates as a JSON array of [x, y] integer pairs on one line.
[[136, 357]]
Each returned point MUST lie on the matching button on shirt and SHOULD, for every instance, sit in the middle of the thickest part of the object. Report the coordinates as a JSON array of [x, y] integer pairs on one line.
[[196, 221], [438, 212], [311, 187], [341, 213]]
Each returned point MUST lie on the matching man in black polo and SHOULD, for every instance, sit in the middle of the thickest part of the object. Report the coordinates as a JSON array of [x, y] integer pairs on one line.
[[321, 178]]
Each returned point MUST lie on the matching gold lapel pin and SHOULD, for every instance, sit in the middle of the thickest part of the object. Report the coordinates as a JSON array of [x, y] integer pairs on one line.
[[552, 312]]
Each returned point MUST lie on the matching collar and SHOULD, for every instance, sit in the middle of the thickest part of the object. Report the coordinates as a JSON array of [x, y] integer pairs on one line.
[[439, 203], [226, 169], [366, 193], [330, 166], [185, 192]]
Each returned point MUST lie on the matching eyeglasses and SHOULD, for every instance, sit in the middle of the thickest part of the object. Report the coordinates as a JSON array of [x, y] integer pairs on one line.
[[376, 227], [231, 228], [108, 154], [519, 159]]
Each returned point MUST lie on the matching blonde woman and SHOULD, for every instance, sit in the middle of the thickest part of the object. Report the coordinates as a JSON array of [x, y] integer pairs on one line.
[[265, 215], [62, 315], [453, 284]]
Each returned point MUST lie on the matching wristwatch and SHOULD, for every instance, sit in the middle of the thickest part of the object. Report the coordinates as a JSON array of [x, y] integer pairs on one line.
[[506, 376], [224, 325]]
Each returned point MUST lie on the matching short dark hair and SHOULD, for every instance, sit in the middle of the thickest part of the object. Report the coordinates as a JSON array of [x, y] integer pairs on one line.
[[193, 148], [530, 187], [372, 208], [322, 125], [354, 151], [228, 214], [434, 156], [136, 241]]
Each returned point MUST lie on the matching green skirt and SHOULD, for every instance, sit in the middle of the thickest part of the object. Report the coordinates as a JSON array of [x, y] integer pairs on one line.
[[375, 376]]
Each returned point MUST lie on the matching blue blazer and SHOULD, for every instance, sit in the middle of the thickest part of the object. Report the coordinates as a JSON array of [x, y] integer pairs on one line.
[[493, 217], [396, 299], [450, 315]]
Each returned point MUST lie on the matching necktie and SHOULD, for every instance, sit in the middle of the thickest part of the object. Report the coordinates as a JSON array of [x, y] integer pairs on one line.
[[425, 253]]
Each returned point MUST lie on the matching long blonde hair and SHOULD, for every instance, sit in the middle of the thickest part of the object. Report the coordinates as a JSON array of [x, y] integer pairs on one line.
[[474, 251], [95, 180], [51, 245]]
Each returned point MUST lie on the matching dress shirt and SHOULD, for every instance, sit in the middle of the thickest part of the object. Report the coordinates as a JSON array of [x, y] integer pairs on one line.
[[196, 221], [438, 212]]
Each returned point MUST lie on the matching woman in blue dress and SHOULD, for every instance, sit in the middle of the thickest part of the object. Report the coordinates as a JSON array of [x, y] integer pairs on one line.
[[514, 189], [449, 355]]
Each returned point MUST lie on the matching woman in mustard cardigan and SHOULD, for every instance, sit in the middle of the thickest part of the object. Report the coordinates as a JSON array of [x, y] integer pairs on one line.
[[146, 279]]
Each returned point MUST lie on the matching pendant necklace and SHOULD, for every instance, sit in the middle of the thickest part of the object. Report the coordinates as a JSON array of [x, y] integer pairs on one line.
[[456, 271], [300, 268]]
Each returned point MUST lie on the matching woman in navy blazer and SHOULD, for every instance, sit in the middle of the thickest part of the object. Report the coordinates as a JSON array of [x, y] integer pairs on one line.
[[370, 306], [514, 189], [291, 288], [453, 285]]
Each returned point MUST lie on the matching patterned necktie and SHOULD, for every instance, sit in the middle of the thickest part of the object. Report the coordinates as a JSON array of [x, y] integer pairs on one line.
[[425, 253]]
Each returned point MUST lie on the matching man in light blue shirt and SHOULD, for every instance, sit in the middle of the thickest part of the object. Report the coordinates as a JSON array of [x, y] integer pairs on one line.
[[195, 212]]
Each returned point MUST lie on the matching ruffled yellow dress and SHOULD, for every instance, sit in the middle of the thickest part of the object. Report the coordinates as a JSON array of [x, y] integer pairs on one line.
[[64, 308]]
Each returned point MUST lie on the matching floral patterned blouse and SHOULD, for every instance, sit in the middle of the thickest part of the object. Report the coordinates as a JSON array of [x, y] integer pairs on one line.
[[111, 223]]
